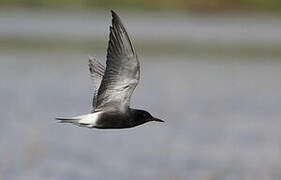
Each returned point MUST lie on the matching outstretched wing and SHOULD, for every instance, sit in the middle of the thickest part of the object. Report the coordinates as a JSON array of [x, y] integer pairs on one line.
[[97, 72], [122, 72]]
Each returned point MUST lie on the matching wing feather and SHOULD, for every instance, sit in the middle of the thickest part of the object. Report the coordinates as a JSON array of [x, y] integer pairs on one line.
[[122, 71], [97, 72]]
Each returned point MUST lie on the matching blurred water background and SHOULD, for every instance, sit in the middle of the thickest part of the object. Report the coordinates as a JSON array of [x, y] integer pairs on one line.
[[210, 69]]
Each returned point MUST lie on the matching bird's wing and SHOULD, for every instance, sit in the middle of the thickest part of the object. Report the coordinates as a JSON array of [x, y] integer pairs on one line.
[[97, 72], [122, 72]]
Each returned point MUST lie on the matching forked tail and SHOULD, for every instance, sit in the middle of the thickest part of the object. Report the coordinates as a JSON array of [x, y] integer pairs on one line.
[[87, 120], [68, 120]]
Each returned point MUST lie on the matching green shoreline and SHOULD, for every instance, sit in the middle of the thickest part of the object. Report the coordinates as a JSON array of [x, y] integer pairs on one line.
[[146, 47], [154, 5]]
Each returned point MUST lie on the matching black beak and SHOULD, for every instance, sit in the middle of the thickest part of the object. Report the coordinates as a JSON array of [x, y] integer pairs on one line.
[[156, 119]]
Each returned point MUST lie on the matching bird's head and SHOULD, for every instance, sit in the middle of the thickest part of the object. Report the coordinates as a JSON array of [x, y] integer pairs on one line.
[[141, 116]]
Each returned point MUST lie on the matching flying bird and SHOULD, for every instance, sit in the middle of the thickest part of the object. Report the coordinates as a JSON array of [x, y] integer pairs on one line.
[[114, 85]]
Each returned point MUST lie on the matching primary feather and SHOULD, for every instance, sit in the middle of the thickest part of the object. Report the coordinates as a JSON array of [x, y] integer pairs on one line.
[[97, 72], [122, 71]]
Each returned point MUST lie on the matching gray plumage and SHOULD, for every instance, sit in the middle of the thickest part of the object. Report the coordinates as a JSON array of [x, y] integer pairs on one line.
[[122, 71], [97, 72]]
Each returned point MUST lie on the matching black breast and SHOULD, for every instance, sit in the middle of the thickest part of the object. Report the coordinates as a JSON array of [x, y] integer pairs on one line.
[[115, 120]]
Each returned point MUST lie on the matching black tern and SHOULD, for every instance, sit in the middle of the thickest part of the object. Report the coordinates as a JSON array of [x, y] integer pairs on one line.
[[114, 85]]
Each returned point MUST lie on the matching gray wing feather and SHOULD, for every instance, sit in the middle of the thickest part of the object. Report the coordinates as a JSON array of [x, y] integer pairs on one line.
[[97, 72], [122, 72]]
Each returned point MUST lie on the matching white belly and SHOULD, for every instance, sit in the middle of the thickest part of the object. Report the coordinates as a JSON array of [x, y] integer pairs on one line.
[[88, 120]]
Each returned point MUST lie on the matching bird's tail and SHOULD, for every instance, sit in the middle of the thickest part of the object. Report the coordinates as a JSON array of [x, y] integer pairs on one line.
[[68, 120], [87, 120]]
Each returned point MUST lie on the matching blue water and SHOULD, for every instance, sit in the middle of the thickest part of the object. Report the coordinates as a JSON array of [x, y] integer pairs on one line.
[[222, 113], [222, 119]]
